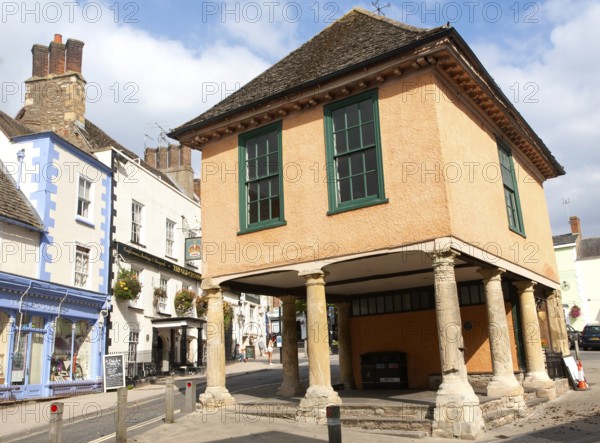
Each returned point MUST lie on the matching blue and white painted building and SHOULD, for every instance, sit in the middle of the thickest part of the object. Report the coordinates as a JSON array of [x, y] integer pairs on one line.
[[55, 223]]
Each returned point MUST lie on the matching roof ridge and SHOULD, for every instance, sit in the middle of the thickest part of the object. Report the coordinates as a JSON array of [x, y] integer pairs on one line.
[[390, 21]]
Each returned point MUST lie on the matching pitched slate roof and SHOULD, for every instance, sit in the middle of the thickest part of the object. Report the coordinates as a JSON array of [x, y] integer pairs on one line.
[[589, 248], [564, 239], [359, 37], [14, 206], [12, 127]]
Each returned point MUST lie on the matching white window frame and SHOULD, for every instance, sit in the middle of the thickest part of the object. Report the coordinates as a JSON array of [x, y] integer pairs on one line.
[[83, 271], [137, 218], [139, 273], [87, 199], [132, 345], [170, 237], [166, 283]]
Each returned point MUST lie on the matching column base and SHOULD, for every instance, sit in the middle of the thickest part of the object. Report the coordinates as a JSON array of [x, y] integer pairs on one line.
[[348, 384], [457, 412], [504, 386], [541, 384], [315, 401], [291, 390], [216, 397]]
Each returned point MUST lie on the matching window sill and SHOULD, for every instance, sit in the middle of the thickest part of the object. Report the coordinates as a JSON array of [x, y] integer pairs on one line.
[[358, 205], [84, 221], [267, 225], [138, 244], [522, 234], [171, 258]]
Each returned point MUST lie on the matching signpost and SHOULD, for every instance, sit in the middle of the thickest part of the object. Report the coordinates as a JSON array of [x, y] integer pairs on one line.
[[114, 371]]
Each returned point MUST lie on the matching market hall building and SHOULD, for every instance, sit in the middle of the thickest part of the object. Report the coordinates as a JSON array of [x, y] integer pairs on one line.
[[380, 168]]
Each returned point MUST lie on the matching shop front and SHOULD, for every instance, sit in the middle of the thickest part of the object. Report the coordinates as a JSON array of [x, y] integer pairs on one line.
[[51, 339]]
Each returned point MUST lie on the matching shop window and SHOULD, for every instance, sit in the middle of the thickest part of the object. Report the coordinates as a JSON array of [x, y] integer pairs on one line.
[[72, 354]]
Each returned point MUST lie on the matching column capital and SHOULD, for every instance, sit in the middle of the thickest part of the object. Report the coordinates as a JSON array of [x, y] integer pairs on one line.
[[524, 286], [443, 257], [491, 273], [553, 293], [313, 277]]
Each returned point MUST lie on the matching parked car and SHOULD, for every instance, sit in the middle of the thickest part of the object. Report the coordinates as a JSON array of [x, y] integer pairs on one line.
[[590, 336], [573, 336]]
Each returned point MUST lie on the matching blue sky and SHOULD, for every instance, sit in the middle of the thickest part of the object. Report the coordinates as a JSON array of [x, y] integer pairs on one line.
[[160, 63]]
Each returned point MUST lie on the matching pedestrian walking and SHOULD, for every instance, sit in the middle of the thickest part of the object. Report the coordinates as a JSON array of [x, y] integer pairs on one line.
[[270, 345]]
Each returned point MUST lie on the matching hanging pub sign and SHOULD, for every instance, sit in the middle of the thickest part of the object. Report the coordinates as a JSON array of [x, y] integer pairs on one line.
[[114, 371], [193, 248]]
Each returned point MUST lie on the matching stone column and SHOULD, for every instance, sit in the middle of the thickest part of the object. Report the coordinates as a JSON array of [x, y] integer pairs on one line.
[[291, 373], [183, 346], [557, 323], [504, 382], [537, 378], [457, 412], [345, 345], [319, 393], [199, 350], [216, 394]]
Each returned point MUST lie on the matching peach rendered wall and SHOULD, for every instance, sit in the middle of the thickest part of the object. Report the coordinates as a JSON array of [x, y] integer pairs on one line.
[[416, 210], [471, 172], [416, 334]]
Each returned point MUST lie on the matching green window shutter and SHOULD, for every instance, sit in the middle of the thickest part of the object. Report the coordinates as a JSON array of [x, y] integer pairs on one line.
[[511, 192], [353, 145], [260, 179]]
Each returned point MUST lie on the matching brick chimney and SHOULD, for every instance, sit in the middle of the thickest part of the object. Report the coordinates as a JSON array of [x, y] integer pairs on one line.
[[575, 225], [176, 163], [40, 60], [55, 93], [57, 55], [198, 188], [150, 156]]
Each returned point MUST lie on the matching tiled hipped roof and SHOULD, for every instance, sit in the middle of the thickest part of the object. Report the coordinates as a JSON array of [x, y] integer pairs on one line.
[[564, 239], [357, 37], [12, 127]]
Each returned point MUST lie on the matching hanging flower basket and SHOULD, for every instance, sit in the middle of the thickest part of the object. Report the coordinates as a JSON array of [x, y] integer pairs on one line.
[[575, 311], [202, 308], [127, 286], [184, 300]]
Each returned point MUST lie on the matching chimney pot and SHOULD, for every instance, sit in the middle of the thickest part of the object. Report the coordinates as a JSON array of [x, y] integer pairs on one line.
[[57, 38]]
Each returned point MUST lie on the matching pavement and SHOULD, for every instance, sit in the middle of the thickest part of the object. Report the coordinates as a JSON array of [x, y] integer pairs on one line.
[[574, 417]]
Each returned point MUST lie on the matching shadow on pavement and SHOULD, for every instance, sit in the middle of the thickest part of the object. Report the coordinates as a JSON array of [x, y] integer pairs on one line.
[[272, 436]]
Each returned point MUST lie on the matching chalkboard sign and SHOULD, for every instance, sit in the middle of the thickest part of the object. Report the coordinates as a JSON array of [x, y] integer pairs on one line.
[[250, 352], [114, 371]]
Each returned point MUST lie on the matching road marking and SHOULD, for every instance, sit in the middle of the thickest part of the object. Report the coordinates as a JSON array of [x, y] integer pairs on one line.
[[131, 428]]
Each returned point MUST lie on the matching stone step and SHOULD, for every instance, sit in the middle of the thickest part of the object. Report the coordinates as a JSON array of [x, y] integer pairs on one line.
[[387, 424], [409, 410]]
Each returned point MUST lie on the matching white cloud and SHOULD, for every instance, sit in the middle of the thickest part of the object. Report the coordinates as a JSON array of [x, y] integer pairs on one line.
[[141, 78], [563, 109]]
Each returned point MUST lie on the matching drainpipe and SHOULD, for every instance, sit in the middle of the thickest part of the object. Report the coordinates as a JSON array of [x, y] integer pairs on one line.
[[20, 157]]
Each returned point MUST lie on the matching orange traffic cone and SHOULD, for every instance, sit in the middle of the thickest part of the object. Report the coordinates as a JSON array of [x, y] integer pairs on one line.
[[581, 378]]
